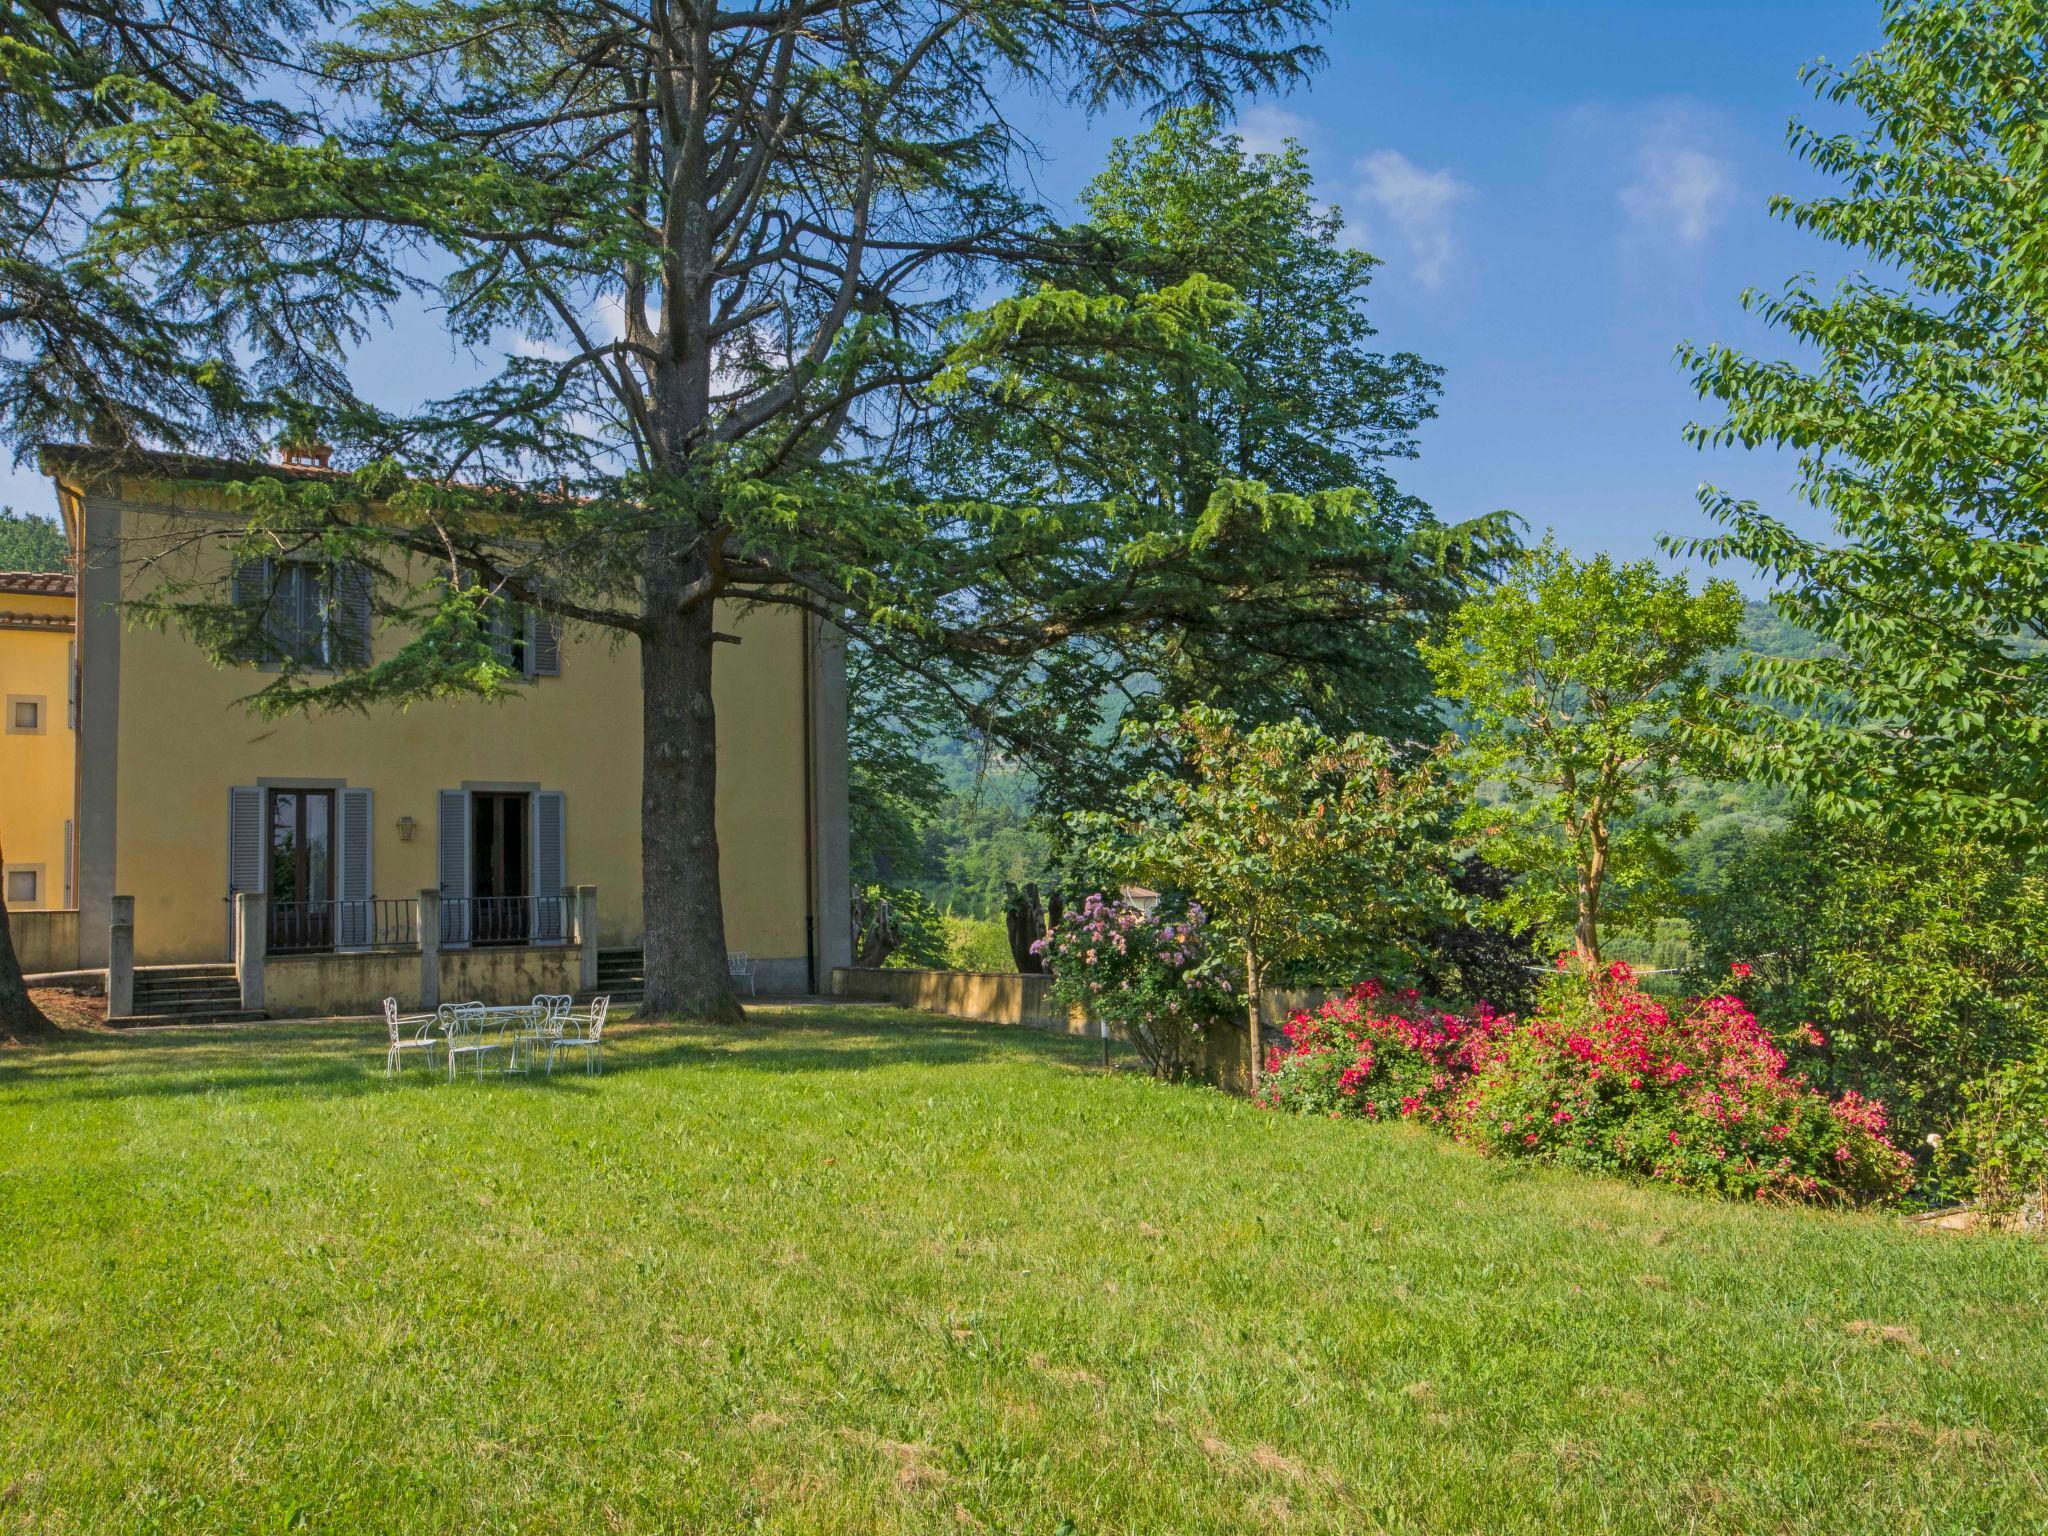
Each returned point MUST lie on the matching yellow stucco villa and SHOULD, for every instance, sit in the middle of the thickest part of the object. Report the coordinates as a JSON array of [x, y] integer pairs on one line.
[[349, 826], [38, 731]]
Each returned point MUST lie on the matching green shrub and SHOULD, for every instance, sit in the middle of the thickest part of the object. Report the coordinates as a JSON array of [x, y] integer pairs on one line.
[[978, 944], [1924, 960], [1998, 1152], [1148, 973], [918, 929]]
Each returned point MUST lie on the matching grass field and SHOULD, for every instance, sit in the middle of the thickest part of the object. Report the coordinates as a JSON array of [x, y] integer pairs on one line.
[[855, 1272]]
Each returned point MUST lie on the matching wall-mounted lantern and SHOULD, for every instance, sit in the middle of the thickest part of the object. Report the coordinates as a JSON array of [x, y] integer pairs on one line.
[[406, 827]]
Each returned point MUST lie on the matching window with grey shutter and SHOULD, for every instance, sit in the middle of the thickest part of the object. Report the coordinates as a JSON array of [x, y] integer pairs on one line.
[[550, 866], [454, 836], [544, 645], [245, 840], [353, 926], [249, 590], [300, 611], [352, 615]]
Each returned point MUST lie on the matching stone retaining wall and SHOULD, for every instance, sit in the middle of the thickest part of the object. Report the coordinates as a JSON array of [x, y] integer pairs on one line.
[[45, 941], [996, 997]]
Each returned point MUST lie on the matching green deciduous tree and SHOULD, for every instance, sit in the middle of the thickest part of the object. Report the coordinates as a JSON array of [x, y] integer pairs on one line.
[[1576, 681], [731, 244], [1298, 845], [893, 789], [1919, 416]]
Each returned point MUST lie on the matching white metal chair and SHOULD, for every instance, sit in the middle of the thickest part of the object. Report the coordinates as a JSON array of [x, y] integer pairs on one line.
[[585, 1033], [466, 1028], [548, 1012], [409, 1032], [740, 968]]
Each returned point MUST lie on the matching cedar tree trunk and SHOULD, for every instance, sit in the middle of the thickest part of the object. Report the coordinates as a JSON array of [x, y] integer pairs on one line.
[[20, 1018], [685, 908]]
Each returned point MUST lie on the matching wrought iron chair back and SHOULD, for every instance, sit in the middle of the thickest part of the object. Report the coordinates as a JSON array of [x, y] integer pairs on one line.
[[421, 1037]]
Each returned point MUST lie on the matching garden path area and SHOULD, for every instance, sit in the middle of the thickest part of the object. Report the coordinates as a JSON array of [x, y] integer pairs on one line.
[[853, 1271]]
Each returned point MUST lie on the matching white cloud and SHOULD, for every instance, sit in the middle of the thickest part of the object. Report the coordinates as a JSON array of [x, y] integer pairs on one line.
[[1265, 130], [1681, 191], [1416, 207]]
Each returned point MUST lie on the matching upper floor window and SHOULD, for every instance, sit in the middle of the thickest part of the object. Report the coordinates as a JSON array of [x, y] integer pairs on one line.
[[312, 614], [24, 716], [524, 638], [300, 623]]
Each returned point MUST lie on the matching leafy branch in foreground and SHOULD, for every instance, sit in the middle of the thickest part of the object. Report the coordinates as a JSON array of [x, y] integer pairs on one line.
[[1921, 431]]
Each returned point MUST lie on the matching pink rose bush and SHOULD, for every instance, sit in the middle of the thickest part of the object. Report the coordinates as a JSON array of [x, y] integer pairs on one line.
[[1149, 974], [1374, 1055], [1614, 1081]]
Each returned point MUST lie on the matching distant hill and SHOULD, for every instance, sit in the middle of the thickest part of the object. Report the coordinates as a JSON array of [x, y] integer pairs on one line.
[[983, 836]]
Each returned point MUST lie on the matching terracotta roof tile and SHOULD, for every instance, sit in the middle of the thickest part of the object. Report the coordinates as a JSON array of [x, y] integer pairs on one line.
[[59, 622], [39, 583]]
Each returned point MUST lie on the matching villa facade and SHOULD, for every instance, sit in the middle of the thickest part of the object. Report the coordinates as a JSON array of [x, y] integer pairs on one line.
[[38, 739], [183, 800]]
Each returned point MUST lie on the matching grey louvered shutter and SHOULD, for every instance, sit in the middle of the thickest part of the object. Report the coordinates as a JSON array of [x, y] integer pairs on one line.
[[455, 927], [352, 927], [245, 840], [543, 644], [550, 866], [352, 615], [249, 590], [246, 846]]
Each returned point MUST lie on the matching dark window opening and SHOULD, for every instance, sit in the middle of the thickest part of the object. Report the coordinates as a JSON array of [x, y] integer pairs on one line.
[[501, 868]]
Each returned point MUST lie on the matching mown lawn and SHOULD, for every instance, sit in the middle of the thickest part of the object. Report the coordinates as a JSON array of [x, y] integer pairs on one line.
[[856, 1272]]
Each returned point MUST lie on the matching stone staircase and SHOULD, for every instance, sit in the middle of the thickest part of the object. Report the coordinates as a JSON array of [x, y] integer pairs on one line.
[[621, 974], [187, 994]]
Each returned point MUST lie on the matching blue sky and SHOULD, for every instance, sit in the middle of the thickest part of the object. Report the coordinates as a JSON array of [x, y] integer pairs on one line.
[[1561, 193]]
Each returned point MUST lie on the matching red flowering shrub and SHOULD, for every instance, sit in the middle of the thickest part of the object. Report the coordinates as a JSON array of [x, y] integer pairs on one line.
[[1374, 1056], [1694, 1094]]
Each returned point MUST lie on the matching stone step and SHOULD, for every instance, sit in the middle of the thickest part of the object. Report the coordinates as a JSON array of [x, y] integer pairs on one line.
[[204, 992]]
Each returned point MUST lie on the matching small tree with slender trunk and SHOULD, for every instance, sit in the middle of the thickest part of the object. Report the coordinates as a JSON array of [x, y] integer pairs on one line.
[[1300, 846], [1576, 682]]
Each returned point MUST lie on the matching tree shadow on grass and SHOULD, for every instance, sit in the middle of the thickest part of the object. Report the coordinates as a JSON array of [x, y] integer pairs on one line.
[[330, 1059], [749, 1053]]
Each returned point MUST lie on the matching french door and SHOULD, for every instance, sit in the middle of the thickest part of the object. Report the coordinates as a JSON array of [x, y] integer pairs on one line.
[[301, 868], [500, 841]]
